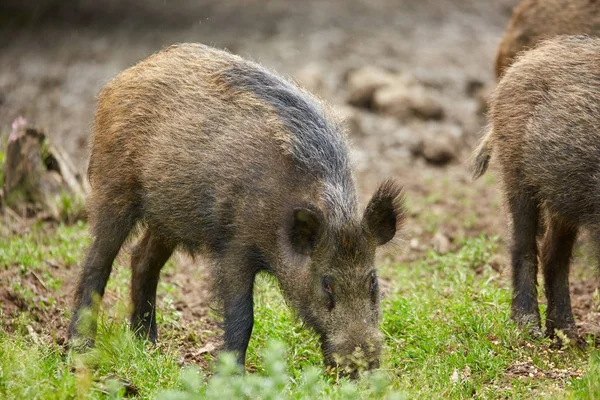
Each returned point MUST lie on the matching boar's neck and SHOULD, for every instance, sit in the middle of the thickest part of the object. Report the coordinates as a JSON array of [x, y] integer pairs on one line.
[[339, 201]]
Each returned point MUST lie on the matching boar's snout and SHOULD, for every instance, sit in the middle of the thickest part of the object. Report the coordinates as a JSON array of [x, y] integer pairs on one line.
[[353, 351]]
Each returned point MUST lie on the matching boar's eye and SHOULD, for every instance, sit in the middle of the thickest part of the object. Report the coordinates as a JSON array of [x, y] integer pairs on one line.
[[327, 284]]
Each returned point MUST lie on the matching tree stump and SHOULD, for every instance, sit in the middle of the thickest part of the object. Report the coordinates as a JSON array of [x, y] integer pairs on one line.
[[39, 179]]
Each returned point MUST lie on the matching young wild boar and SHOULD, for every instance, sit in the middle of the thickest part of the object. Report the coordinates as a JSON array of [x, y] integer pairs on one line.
[[545, 133], [216, 155], [536, 20]]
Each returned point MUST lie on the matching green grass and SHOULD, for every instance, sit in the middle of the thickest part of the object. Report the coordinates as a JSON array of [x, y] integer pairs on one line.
[[447, 334], [40, 247]]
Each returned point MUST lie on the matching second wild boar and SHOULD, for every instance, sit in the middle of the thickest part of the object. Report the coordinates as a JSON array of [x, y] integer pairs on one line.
[[545, 134]]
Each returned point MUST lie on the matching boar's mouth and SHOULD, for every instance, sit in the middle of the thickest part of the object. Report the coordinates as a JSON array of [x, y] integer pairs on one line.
[[350, 364]]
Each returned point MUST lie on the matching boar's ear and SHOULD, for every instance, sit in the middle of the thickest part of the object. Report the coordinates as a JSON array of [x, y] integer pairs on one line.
[[385, 213], [305, 230]]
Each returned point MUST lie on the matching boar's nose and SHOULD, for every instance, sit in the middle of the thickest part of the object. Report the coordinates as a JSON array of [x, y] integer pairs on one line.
[[351, 364], [353, 371], [353, 351]]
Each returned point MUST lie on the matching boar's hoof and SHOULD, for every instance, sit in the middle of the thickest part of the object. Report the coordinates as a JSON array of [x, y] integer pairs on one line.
[[529, 322], [565, 336]]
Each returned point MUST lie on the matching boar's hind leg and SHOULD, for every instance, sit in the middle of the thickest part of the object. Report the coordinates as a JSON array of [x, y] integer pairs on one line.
[[147, 259], [109, 232], [556, 254], [525, 216]]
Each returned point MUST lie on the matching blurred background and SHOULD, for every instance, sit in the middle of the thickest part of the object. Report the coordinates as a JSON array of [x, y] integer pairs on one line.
[[409, 76], [56, 54]]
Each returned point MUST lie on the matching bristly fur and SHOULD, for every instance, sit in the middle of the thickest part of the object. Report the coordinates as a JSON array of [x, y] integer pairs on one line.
[[316, 142], [535, 20], [318, 146]]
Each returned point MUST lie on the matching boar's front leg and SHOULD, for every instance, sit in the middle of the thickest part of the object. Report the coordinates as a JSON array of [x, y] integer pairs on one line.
[[238, 321], [236, 283]]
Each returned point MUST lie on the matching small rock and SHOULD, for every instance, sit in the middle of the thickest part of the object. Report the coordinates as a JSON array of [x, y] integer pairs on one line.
[[414, 244], [405, 102], [455, 377], [441, 243], [466, 373], [473, 86], [439, 149], [363, 82], [209, 348], [52, 264]]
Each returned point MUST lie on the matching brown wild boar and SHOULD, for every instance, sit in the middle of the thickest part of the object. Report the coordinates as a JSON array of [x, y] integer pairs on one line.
[[545, 133], [536, 20], [217, 156]]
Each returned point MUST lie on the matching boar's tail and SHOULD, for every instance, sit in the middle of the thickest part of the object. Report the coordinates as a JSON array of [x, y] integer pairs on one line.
[[89, 172], [482, 154]]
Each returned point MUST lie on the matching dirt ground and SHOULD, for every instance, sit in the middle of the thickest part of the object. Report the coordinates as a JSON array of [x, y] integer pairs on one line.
[[55, 56]]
